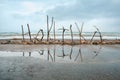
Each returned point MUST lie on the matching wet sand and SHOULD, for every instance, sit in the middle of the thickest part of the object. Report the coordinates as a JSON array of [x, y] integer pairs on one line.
[[56, 62]]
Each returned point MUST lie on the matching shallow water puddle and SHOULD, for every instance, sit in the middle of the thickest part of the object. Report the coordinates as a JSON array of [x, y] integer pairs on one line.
[[69, 54]]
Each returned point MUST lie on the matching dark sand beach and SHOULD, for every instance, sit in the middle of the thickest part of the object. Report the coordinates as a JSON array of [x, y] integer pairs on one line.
[[59, 62]]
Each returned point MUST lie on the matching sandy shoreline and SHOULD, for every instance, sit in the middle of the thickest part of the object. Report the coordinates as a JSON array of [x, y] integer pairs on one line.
[[82, 62], [66, 41]]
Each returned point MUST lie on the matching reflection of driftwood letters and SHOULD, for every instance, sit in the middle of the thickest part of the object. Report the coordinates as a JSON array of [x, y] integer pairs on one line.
[[49, 55], [71, 52], [63, 52], [54, 53], [29, 53], [97, 52], [79, 54], [41, 52], [23, 54]]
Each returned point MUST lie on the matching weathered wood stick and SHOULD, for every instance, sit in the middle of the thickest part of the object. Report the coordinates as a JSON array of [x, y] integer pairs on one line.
[[42, 34], [99, 34], [81, 33], [71, 33], [22, 32], [47, 28], [54, 32], [29, 32], [93, 36], [63, 35], [51, 24], [38, 33], [78, 31]]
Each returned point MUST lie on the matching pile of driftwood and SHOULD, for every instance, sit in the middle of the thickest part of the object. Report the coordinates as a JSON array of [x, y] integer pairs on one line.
[[81, 40]]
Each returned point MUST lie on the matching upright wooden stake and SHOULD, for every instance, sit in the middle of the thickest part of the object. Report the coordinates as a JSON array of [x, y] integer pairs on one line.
[[63, 35], [47, 28], [54, 32], [22, 32], [71, 33], [29, 32], [79, 32], [42, 34]]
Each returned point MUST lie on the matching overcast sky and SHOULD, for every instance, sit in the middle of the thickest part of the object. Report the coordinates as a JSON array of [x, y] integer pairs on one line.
[[105, 14]]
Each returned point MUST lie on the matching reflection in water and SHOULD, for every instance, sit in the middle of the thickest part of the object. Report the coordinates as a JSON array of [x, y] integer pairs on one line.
[[97, 52], [79, 54], [23, 54], [64, 53], [29, 53], [71, 51], [49, 55], [54, 52], [41, 52]]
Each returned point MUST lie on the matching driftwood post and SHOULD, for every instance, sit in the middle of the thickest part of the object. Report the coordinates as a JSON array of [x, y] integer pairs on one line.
[[99, 34], [47, 28], [42, 34], [63, 35], [81, 32], [29, 32], [38, 33], [54, 32], [22, 32], [63, 31], [93, 36], [41, 30], [71, 33], [78, 30]]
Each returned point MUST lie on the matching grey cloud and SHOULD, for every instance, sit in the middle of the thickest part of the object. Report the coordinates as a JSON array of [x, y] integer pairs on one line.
[[87, 9]]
